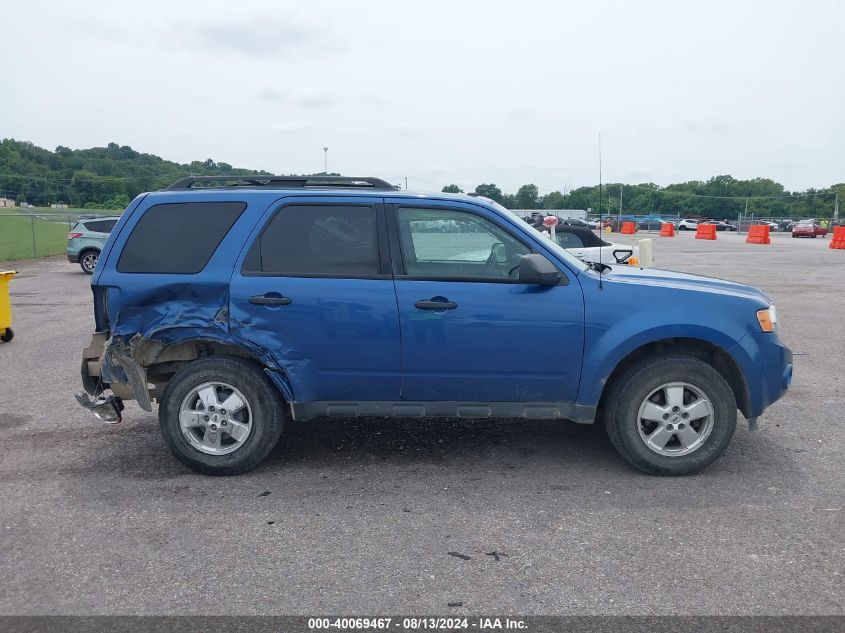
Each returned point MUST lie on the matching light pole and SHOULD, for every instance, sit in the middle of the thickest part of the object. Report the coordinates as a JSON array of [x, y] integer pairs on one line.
[[326, 161]]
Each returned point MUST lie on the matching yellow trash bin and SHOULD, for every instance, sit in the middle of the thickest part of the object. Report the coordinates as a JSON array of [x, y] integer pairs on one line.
[[6, 333]]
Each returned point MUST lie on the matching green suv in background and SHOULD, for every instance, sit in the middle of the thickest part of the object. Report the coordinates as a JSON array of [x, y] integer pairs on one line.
[[86, 240]]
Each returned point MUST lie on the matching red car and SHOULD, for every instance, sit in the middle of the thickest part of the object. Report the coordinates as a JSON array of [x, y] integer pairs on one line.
[[807, 228]]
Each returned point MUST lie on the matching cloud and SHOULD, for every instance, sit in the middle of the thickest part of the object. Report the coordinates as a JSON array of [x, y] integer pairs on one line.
[[291, 129], [520, 113], [262, 37], [373, 98], [408, 131], [716, 126], [304, 96]]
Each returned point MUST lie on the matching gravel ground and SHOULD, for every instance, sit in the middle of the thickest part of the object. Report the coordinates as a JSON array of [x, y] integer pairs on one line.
[[359, 516]]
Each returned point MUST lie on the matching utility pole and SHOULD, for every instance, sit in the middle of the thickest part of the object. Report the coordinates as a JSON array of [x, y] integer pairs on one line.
[[600, 207], [620, 205], [326, 161], [836, 207], [406, 183]]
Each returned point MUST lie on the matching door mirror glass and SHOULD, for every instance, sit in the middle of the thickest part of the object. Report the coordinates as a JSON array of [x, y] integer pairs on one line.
[[536, 269], [499, 253]]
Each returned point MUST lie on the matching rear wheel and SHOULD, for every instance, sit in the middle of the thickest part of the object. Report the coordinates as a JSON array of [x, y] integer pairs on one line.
[[670, 416], [221, 415], [88, 261], [7, 336]]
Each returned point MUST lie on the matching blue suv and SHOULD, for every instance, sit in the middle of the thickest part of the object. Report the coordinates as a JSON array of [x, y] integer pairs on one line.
[[240, 303]]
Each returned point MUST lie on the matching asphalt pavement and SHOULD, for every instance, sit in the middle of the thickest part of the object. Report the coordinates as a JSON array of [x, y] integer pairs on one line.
[[365, 516]]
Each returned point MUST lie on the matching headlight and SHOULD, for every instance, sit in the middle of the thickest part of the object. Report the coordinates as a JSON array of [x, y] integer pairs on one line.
[[768, 319]]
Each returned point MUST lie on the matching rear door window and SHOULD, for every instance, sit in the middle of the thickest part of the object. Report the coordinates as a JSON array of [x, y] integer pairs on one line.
[[324, 240], [178, 238]]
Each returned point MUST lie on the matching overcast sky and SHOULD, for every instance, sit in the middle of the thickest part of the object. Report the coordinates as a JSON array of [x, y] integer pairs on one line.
[[441, 92]]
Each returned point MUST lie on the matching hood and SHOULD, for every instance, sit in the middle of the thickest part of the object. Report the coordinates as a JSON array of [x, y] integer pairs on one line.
[[683, 281]]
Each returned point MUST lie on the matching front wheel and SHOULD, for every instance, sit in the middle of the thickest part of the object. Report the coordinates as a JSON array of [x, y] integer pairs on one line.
[[221, 415], [670, 416], [7, 336], [88, 261]]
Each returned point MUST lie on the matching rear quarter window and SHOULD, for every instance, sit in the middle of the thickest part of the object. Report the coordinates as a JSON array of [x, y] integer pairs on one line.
[[178, 238], [334, 240], [100, 226]]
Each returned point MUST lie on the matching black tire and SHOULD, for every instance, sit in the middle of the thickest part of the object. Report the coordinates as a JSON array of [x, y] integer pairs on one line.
[[630, 389], [8, 335], [268, 414], [88, 260]]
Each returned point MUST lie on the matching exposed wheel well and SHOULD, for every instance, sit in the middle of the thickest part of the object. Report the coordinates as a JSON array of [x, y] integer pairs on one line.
[[709, 353], [162, 362], [88, 249]]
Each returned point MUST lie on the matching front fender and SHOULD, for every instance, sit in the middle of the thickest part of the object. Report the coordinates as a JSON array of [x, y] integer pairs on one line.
[[621, 317]]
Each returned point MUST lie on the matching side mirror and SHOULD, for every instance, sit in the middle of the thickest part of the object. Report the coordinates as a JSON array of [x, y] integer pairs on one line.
[[536, 269]]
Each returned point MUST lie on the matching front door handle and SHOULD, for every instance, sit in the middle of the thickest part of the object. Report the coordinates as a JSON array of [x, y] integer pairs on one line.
[[264, 300], [424, 304]]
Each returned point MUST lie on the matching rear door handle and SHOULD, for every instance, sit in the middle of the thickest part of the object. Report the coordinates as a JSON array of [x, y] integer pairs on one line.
[[424, 304], [264, 300]]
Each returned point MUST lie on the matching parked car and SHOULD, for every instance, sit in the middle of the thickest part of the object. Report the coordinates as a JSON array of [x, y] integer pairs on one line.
[[86, 239], [721, 226], [808, 228], [240, 307], [589, 247], [574, 222], [688, 224], [655, 224]]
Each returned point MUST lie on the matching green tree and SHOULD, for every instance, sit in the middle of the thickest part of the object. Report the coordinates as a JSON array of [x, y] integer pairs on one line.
[[452, 189], [554, 200], [117, 202], [489, 191], [527, 197]]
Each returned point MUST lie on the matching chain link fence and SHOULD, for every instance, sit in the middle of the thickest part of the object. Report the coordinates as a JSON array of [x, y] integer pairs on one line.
[[37, 234]]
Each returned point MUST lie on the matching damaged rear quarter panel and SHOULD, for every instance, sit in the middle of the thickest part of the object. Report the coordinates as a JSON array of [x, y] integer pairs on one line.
[[147, 313]]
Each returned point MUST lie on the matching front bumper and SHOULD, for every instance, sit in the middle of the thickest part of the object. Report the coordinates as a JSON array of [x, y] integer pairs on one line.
[[767, 366]]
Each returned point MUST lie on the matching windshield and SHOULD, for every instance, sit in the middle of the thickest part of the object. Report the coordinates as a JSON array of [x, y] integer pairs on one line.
[[557, 250]]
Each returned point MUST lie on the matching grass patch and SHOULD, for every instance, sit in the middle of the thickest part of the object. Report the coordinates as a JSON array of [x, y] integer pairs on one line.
[[51, 230], [16, 237]]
